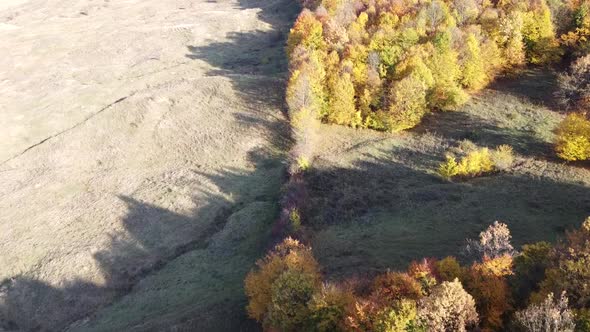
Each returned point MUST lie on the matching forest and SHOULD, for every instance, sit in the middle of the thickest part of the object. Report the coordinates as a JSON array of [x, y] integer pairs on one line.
[[386, 65]]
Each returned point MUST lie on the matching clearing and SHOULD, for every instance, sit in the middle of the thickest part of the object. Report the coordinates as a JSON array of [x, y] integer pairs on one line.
[[378, 203]]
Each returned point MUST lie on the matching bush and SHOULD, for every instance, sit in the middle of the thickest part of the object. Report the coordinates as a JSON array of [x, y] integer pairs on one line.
[[573, 138], [449, 169], [476, 163], [448, 308], [547, 316], [503, 157]]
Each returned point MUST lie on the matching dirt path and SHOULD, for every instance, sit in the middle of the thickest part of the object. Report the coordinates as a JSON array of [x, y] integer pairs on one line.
[[134, 133]]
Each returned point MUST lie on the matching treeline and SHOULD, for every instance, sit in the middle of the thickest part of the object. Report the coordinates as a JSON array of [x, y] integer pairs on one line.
[[540, 288], [384, 64]]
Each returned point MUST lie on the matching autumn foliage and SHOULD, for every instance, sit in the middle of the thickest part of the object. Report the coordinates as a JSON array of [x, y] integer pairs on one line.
[[496, 289], [384, 64]]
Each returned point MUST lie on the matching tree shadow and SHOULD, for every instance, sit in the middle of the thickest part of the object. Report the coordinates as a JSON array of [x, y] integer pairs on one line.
[[379, 213], [537, 85], [29, 304]]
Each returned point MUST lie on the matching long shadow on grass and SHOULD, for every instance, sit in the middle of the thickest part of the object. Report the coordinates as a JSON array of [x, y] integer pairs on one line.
[[381, 213], [536, 85], [218, 232]]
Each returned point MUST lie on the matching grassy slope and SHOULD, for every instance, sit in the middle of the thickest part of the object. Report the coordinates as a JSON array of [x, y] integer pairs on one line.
[[377, 203], [202, 290]]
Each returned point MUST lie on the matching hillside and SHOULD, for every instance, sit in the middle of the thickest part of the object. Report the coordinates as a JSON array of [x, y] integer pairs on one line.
[[141, 152]]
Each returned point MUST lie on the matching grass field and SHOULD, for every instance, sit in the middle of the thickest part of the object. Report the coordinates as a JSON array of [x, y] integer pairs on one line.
[[376, 201], [141, 160]]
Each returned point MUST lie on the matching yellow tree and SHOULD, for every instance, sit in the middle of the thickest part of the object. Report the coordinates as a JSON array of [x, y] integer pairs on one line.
[[474, 75]]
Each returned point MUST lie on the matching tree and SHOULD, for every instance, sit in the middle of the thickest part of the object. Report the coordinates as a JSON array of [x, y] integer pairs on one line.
[[407, 104], [288, 256], [474, 75], [574, 87], [514, 49], [290, 294], [539, 37], [487, 284], [394, 286], [570, 268], [529, 270], [494, 242], [399, 317], [307, 32], [342, 106], [448, 269], [573, 138], [448, 308], [548, 316], [328, 308]]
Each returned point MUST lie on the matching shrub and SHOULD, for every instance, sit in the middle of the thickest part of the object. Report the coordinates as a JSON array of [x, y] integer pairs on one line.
[[448, 308], [573, 138], [295, 219], [494, 242], [475, 162], [449, 169], [550, 315], [503, 157]]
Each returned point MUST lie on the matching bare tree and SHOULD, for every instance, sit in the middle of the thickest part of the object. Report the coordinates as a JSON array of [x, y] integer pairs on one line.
[[493, 242], [548, 316]]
